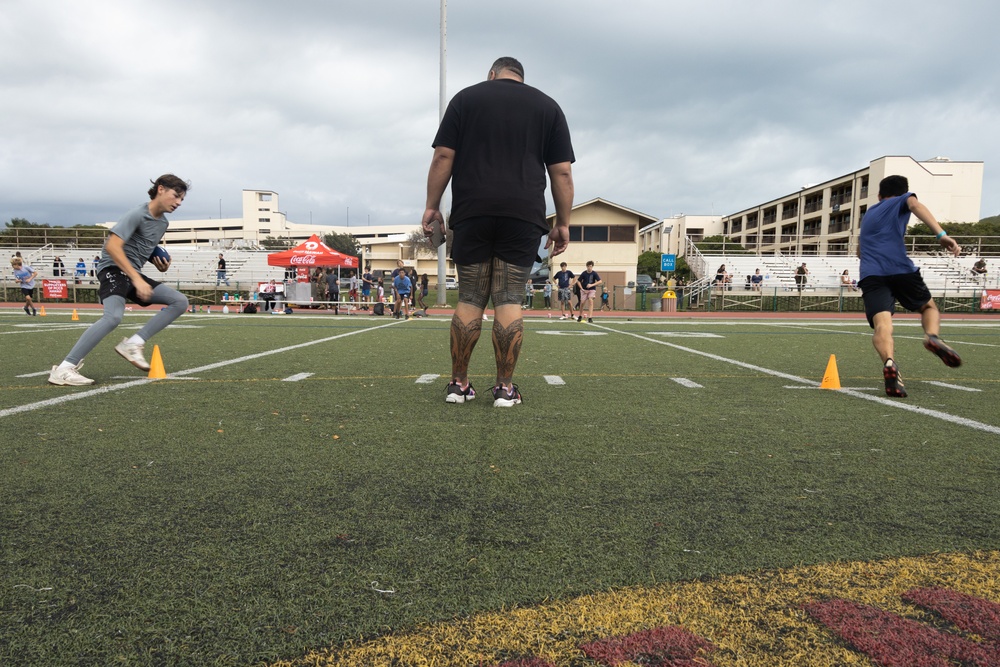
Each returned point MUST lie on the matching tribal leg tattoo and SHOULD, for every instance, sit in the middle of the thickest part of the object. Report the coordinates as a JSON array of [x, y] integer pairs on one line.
[[507, 347], [464, 336]]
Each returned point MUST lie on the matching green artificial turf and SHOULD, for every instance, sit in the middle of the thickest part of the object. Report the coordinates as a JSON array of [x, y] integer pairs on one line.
[[231, 517]]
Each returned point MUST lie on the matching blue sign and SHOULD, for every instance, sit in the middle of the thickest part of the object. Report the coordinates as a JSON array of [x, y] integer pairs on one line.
[[668, 262]]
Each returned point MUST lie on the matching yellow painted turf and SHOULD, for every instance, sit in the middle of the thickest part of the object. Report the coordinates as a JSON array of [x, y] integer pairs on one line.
[[753, 619]]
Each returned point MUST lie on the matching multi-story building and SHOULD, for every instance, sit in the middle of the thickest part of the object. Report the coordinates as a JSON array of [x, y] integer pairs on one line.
[[825, 219], [671, 235]]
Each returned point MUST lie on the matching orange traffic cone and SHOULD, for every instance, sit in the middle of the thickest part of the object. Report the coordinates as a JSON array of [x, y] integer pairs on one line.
[[831, 379], [41, 311], [75, 318], [156, 370]]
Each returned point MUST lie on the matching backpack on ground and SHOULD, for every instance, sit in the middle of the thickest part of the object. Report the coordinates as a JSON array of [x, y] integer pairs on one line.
[[379, 309]]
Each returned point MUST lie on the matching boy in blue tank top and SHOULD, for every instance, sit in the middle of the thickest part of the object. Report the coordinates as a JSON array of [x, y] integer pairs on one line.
[[888, 275]]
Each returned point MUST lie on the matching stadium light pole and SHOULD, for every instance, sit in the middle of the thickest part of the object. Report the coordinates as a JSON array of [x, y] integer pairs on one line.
[[442, 104]]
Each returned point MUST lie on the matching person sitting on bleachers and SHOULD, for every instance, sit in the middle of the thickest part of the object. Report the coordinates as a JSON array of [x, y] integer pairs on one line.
[[979, 269], [845, 280]]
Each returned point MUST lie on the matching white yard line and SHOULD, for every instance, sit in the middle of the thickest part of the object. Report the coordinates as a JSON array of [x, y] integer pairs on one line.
[[76, 396], [900, 405], [950, 386]]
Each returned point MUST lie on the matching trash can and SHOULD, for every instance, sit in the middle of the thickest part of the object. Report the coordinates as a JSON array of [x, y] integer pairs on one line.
[[656, 306], [669, 301]]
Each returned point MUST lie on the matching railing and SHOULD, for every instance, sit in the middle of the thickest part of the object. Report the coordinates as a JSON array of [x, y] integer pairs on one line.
[[59, 238]]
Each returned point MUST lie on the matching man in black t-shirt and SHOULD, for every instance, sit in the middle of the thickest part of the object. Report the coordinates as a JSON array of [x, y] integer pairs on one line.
[[495, 144]]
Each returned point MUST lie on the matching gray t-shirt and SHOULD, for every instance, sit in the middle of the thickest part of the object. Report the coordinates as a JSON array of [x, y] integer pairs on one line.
[[141, 233]]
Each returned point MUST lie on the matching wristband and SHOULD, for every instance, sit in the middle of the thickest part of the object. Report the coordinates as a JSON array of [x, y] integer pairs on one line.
[[941, 233]]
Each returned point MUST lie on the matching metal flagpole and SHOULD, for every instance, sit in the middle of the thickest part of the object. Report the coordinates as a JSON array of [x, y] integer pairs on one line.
[[442, 105]]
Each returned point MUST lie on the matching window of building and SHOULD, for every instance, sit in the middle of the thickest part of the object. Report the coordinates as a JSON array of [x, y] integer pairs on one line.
[[597, 234], [263, 219], [575, 233], [837, 247], [813, 203], [839, 222], [840, 194], [621, 233], [812, 226], [789, 209], [770, 214], [263, 196]]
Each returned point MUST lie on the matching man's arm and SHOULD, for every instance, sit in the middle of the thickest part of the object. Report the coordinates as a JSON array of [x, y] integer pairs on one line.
[[437, 180], [925, 216], [561, 176]]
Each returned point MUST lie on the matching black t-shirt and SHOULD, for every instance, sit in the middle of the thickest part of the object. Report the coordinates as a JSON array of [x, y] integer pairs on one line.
[[504, 134]]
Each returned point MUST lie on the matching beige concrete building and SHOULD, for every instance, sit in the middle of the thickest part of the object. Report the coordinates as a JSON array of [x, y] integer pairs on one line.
[[825, 219], [606, 234], [670, 236]]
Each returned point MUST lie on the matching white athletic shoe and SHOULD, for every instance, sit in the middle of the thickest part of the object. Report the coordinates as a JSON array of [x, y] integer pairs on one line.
[[68, 377], [133, 353]]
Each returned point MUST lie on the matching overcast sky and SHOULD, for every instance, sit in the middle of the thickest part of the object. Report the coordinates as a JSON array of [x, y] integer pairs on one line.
[[702, 107]]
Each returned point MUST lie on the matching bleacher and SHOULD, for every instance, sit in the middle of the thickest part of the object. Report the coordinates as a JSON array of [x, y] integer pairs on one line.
[[188, 265], [940, 271]]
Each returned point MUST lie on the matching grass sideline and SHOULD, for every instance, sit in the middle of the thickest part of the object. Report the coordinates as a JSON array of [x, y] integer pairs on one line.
[[230, 516]]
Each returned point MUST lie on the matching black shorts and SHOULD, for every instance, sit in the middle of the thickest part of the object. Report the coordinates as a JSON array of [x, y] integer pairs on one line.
[[27, 291], [114, 282], [478, 240], [881, 293]]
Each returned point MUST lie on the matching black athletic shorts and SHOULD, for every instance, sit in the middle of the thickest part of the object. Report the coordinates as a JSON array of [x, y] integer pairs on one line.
[[882, 292], [27, 291], [478, 240], [114, 282]]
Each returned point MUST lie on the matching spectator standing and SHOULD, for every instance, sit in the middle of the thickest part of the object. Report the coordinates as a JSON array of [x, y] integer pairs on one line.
[[547, 293], [58, 268], [801, 274], [889, 275], [422, 292], [333, 290], [81, 271], [367, 282], [496, 142], [220, 271], [529, 294]]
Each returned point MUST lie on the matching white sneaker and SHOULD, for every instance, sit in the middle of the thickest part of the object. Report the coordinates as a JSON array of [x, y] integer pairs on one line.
[[68, 376], [133, 353]]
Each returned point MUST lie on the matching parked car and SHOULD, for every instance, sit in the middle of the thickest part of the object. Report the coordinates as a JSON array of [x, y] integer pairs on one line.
[[450, 283], [539, 277], [643, 282]]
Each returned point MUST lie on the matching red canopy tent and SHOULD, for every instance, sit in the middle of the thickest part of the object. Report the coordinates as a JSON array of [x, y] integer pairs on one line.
[[312, 253]]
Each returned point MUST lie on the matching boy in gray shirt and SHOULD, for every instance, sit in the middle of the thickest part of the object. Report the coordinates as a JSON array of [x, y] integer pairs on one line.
[[129, 246]]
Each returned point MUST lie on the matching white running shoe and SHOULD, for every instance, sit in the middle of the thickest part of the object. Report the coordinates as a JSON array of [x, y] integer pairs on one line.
[[68, 377], [133, 353]]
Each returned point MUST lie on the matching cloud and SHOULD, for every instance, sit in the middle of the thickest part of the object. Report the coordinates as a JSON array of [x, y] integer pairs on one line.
[[674, 107]]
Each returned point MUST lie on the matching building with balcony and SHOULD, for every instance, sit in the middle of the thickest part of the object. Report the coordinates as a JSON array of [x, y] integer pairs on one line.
[[825, 219]]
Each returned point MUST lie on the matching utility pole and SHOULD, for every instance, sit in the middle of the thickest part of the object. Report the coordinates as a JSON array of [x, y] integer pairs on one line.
[[442, 105]]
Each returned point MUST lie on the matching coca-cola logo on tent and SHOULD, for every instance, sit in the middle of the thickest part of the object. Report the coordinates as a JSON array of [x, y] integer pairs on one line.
[[304, 259]]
